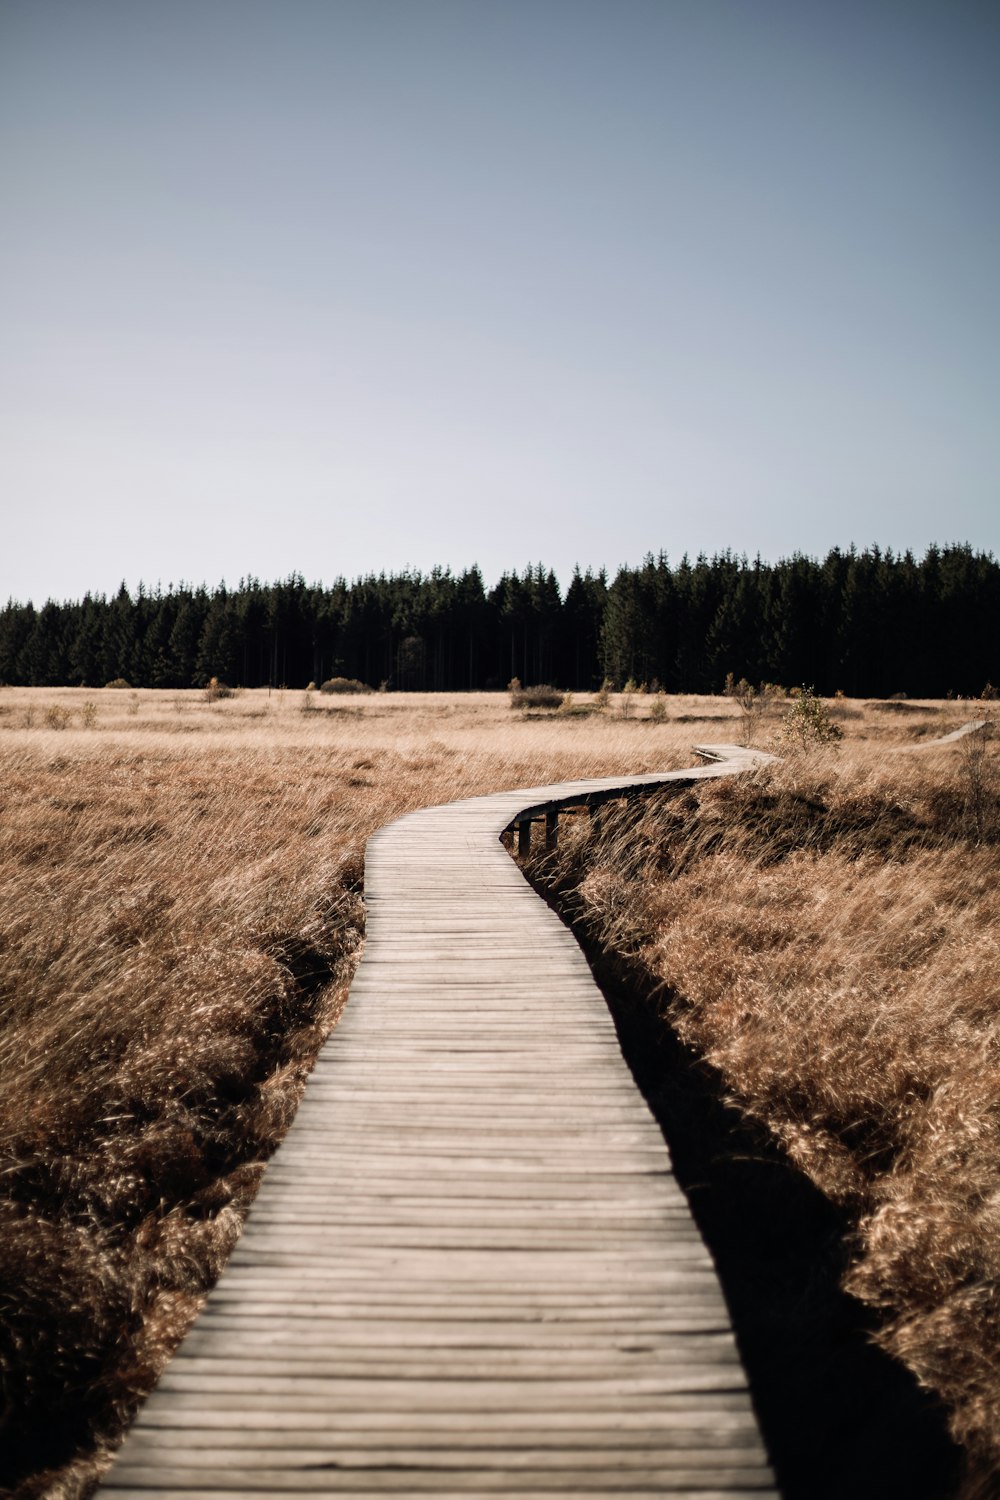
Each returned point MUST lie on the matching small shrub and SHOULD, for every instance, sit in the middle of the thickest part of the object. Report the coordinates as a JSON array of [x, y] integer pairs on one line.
[[747, 700], [88, 715], [539, 696], [57, 717], [118, 682], [741, 692], [214, 689], [343, 685], [628, 694], [808, 721], [603, 696], [658, 707]]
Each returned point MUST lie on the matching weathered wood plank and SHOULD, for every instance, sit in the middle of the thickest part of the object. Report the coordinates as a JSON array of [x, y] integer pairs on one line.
[[706, 1441], [496, 1479], [197, 1492], [186, 1408], [293, 1454], [676, 1416]]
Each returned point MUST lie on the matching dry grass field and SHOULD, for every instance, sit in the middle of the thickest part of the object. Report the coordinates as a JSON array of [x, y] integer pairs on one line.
[[181, 912], [825, 935], [180, 916]]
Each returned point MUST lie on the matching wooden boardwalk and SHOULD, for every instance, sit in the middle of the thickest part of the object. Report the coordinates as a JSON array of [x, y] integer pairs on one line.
[[469, 1270]]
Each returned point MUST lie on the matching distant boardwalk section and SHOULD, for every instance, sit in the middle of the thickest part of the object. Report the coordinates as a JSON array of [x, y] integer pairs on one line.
[[469, 1270]]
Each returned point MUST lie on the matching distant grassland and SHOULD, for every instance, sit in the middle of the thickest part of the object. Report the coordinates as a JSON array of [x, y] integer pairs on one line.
[[181, 913]]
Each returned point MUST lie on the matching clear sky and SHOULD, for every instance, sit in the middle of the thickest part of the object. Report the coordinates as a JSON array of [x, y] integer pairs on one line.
[[337, 286]]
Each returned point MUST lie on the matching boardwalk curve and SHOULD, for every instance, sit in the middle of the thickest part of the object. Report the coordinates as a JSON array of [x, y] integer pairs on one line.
[[973, 726], [469, 1270]]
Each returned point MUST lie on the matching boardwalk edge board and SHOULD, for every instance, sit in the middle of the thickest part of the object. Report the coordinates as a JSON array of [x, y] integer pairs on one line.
[[469, 1269]]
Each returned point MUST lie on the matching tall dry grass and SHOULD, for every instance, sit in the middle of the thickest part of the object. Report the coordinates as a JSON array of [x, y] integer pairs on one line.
[[825, 933], [180, 913]]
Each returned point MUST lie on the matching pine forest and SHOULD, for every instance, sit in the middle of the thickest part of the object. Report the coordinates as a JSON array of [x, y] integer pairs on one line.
[[866, 623]]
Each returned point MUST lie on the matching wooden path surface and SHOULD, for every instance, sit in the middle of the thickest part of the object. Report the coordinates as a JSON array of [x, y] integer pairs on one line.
[[469, 1270], [973, 726]]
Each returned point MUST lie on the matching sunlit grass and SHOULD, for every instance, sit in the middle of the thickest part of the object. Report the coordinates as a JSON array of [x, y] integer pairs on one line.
[[825, 933], [180, 917]]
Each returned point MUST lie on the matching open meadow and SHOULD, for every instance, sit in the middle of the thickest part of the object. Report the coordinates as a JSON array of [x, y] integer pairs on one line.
[[182, 911]]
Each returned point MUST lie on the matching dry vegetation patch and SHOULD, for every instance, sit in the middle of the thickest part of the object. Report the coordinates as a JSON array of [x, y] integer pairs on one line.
[[826, 934], [180, 913]]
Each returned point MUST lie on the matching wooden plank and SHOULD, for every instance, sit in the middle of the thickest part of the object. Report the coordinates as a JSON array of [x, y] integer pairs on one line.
[[517, 1393], [193, 1408], [293, 1455], [469, 1269], [197, 1492], [672, 1417], [347, 1330], [704, 1440], [381, 1432], [494, 1480], [385, 1380]]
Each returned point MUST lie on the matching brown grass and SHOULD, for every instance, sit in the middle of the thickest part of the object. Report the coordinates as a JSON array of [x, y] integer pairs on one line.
[[180, 916], [826, 934]]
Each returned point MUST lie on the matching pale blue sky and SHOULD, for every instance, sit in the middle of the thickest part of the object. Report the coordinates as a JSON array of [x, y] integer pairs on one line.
[[335, 286]]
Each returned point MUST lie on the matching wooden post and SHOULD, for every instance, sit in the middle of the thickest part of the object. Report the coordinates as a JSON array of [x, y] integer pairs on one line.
[[524, 838], [551, 829]]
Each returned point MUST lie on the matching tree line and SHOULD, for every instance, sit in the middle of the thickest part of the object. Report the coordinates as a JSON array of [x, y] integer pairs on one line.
[[870, 623]]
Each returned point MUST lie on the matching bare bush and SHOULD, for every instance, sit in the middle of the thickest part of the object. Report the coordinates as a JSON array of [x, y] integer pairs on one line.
[[756, 705], [540, 696], [343, 685]]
